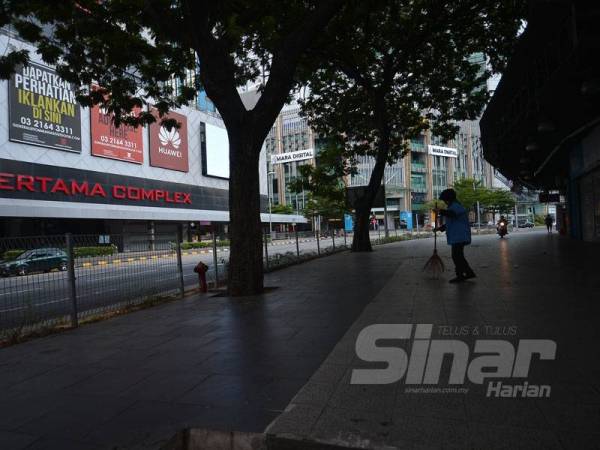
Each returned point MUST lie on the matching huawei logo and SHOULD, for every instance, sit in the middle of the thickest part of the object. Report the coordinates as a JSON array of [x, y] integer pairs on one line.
[[165, 136]]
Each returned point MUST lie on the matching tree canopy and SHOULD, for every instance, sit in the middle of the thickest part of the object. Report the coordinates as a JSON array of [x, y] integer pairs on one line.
[[282, 209], [133, 49], [402, 68], [470, 191]]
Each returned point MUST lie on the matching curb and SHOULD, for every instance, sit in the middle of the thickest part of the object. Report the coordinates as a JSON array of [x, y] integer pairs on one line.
[[118, 261]]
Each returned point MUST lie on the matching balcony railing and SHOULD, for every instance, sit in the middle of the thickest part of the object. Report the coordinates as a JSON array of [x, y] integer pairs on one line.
[[418, 188], [420, 168], [418, 147]]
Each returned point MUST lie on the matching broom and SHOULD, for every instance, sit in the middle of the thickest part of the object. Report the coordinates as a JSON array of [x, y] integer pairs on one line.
[[435, 265]]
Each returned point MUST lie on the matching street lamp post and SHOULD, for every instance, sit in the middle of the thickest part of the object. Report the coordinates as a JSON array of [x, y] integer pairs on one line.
[[270, 183], [385, 215], [478, 216]]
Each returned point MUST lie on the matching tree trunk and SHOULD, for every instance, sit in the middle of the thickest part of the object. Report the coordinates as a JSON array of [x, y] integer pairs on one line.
[[361, 242], [246, 254]]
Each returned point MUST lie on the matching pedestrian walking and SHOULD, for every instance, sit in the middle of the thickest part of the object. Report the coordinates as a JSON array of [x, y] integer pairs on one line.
[[458, 234], [549, 221]]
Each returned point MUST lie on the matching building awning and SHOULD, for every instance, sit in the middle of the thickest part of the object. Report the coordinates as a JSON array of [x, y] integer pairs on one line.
[[547, 97], [50, 209]]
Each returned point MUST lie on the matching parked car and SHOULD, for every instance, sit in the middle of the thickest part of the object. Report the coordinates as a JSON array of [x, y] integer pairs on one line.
[[36, 260], [526, 225]]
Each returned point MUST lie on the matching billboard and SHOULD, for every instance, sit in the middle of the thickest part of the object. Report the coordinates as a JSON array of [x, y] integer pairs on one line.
[[406, 217], [169, 148], [215, 151], [300, 155], [124, 143], [438, 150], [348, 223], [43, 110]]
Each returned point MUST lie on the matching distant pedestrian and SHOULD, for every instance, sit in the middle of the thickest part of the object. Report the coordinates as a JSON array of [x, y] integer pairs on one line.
[[549, 221], [458, 234]]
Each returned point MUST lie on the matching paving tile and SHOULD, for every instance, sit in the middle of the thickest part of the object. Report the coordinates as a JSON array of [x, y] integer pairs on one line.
[[51, 443], [108, 382], [16, 373], [55, 379], [509, 438], [232, 364], [164, 386], [579, 440], [353, 428], [439, 406], [74, 417], [15, 441]]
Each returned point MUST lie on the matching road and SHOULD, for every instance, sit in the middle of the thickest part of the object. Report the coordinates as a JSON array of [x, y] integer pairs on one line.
[[45, 296]]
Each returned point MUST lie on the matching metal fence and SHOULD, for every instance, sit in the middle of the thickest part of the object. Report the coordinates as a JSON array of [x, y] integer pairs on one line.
[[49, 280]]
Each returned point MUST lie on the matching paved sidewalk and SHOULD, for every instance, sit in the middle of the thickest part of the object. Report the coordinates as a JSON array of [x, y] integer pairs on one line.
[[133, 381], [544, 287]]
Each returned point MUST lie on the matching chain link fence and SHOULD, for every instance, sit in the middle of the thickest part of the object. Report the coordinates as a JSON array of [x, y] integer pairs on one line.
[[55, 280], [51, 280]]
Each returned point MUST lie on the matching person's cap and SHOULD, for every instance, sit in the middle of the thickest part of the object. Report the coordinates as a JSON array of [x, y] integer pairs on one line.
[[448, 195]]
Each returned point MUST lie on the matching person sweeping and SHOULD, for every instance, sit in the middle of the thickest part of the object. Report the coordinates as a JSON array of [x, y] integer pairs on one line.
[[458, 234]]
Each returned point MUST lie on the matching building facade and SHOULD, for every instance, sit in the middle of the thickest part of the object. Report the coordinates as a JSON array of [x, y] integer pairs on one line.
[[541, 128], [64, 168], [430, 167], [290, 134], [409, 183]]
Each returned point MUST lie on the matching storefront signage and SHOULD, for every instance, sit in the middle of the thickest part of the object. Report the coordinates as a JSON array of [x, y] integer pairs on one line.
[[49, 185], [169, 148], [438, 150], [292, 156], [21, 180], [124, 143], [43, 109]]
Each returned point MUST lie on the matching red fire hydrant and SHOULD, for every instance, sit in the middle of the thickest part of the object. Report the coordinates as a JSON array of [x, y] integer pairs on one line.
[[201, 270]]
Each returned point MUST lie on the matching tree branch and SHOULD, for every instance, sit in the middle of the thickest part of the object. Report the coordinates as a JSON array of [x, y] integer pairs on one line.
[[285, 61]]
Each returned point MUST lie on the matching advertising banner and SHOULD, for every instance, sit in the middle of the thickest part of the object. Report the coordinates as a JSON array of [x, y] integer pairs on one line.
[[438, 150], [43, 110], [124, 142], [406, 217], [169, 148], [214, 149], [30, 181], [348, 223], [300, 155]]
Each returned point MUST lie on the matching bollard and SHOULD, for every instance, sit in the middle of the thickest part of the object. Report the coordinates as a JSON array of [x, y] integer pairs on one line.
[[297, 245]]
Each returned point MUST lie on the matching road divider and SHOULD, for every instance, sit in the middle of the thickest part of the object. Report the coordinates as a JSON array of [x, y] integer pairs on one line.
[[105, 262]]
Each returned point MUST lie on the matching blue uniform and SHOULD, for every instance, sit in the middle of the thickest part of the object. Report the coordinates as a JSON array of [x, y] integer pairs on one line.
[[458, 230]]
